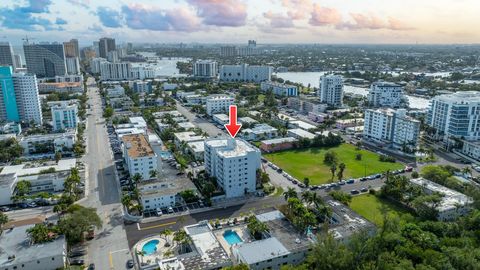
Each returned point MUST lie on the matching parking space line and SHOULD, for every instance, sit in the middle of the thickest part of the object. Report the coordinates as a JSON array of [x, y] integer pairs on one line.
[[158, 226], [110, 260]]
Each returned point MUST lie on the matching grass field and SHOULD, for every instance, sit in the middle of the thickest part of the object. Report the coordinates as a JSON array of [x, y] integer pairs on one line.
[[309, 163], [369, 206]]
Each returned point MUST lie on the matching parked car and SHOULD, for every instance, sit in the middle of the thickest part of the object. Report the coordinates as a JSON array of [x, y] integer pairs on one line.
[[364, 189], [91, 266], [408, 169], [77, 262], [130, 264], [4, 209], [170, 210], [350, 181], [159, 212], [354, 191]]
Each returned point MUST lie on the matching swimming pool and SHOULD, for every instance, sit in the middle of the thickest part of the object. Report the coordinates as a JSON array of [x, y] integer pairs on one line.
[[166, 155], [150, 247], [232, 237]]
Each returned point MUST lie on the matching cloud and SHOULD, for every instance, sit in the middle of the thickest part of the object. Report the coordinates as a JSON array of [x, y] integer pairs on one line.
[[95, 28], [221, 12], [81, 3], [109, 17], [150, 18], [278, 20], [297, 9], [60, 21], [373, 22], [321, 16], [27, 17]]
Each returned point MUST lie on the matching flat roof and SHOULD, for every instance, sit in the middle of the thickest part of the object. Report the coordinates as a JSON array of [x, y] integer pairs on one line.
[[302, 133], [346, 222], [279, 140], [16, 242], [302, 124], [261, 250], [165, 187], [137, 146], [221, 116], [451, 197], [231, 147], [197, 147], [186, 125], [6, 180], [23, 169], [188, 136]]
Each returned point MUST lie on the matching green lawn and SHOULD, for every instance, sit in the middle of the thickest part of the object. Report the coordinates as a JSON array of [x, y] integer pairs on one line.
[[370, 207], [309, 163]]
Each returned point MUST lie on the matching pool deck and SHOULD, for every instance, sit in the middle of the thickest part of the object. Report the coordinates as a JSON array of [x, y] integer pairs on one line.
[[241, 231], [152, 258]]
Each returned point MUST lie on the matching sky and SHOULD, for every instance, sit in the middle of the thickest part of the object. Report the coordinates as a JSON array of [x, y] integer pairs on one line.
[[236, 21]]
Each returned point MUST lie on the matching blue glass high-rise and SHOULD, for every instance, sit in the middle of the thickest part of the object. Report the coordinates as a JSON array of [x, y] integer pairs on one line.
[[8, 94]]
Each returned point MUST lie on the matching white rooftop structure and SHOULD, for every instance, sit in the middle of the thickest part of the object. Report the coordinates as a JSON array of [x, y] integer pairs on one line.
[[23, 169], [300, 133], [302, 124]]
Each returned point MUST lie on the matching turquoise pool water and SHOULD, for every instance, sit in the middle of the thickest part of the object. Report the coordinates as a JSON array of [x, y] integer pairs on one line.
[[232, 237], [150, 247], [166, 155]]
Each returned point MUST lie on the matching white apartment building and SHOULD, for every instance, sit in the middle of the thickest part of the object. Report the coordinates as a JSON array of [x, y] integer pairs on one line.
[[142, 73], [218, 104], [456, 115], [279, 89], [115, 71], [259, 132], [57, 142], [331, 90], [139, 155], [245, 73], [73, 65], [234, 163], [205, 69], [392, 127], [95, 64], [28, 99], [162, 193], [69, 78], [471, 149], [64, 116], [386, 94], [453, 205]]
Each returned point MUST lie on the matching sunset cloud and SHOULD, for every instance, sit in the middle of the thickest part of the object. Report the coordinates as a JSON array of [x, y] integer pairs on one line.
[[221, 12], [278, 20], [373, 22], [322, 16]]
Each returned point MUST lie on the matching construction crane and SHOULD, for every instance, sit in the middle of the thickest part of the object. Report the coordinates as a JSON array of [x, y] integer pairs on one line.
[[27, 39]]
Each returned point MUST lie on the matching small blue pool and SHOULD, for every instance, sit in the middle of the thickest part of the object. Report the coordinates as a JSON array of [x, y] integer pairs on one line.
[[166, 155], [232, 237], [150, 247]]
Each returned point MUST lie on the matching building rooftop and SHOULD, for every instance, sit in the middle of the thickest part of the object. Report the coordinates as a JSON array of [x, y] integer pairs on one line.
[[218, 97], [261, 250], [278, 84], [345, 222], [186, 125], [260, 129], [16, 242], [208, 253], [279, 140], [383, 83], [231, 147], [137, 146], [302, 124], [460, 97], [301, 133], [197, 147], [6, 180], [165, 187], [188, 136], [451, 198], [221, 116], [31, 169], [247, 120]]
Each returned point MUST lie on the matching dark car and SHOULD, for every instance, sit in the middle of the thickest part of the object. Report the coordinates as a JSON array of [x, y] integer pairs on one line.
[[77, 253], [77, 262], [351, 181], [130, 264], [364, 189], [4, 209], [363, 179], [354, 191], [91, 266]]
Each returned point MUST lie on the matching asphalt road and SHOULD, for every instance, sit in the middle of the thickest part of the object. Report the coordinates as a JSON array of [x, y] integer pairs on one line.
[[205, 125], [109, 249]]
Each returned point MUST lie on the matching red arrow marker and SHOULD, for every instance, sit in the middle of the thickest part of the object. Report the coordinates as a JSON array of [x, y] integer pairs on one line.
[[232, 127]]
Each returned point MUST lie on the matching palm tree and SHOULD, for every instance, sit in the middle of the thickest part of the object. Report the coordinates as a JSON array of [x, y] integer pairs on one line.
[[141, 254], [137, 178], [3, 220], [153, 173], [166, 233], [290, 193], [333, 169], [181, 238], [341, 169], [127, 201], [467, 171], [307, 196]]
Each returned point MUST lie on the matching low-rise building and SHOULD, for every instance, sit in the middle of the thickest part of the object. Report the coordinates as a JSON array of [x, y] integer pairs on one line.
[[299, 133], [453, 205], [10, 127], [317, 117], [139, 155], [218, 104], [345, 123], [185, 137], [116, 91], [234, 164], [283, 246], [301, 124], [220, 118], [196, 149], [60, 87], [278, 144], [279, 89], [247, 120], [161, 194], [471, 149], [19, 252], [259, 132], [48, 143], [305, 105]]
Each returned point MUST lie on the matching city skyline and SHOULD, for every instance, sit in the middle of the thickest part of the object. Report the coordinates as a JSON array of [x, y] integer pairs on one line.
[[270, 21]]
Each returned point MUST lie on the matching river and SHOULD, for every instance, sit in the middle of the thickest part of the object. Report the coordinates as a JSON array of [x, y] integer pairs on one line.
[[312, 79]]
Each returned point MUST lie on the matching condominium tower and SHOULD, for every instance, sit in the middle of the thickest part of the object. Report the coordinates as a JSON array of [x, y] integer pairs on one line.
[[45, 60], [331, 90]]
